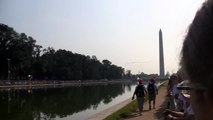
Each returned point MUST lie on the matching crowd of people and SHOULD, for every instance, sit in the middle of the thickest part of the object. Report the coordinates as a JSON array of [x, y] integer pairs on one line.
[[193, 100], [178, 98], [196, 62]]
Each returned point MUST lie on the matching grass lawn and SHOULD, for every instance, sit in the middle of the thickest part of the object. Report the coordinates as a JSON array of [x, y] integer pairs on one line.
[[125, 111]]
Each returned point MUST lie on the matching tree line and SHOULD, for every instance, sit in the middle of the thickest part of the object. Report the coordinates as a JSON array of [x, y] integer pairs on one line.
[[21, 56]]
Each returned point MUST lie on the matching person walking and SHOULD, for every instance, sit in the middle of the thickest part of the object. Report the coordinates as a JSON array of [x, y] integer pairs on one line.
[[140, 92], [152, 92]]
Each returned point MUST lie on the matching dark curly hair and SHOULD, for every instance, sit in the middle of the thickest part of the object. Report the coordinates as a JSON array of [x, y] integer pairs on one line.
[[197, 50]]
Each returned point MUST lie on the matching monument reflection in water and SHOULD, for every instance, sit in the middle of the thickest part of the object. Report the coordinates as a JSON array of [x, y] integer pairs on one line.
[[67, 103]]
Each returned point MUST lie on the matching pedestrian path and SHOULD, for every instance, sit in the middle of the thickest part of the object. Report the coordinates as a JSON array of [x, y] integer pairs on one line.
[[154, 114]]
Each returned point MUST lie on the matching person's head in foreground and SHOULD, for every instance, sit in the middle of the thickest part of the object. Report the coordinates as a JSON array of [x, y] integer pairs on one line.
[[197, 61]]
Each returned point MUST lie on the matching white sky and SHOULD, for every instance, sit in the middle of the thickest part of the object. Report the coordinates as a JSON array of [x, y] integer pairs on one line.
[[123, 31]]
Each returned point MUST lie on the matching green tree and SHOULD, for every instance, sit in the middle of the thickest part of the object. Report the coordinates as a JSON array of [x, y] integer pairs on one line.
[[17, 47]]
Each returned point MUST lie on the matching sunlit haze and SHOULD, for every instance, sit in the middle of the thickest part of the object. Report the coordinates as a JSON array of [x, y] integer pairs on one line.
[[123, 31]]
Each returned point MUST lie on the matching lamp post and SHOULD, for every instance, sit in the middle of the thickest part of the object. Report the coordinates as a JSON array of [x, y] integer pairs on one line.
[[8, 63], [8, 78]]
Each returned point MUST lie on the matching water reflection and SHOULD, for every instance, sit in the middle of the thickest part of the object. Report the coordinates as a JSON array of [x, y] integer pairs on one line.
[[56, 103]]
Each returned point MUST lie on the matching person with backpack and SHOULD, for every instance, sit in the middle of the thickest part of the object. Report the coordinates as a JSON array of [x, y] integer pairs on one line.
[[152, 92], [140, 92]]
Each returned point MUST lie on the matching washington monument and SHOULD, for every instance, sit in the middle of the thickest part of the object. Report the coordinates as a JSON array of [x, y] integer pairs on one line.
[[161, 57]]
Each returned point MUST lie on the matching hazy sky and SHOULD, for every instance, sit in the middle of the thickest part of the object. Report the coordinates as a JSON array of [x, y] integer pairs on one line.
[[123, 31]]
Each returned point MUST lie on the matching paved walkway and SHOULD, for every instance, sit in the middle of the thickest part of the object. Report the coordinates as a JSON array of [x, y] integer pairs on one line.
[[154, 114]]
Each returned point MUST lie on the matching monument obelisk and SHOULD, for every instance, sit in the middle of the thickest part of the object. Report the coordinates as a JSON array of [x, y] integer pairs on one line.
[[161, 57]]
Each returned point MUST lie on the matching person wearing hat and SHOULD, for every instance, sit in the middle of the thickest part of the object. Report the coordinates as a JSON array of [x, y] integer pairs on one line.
[[187, 114], [152, 92], [197, 61], [140, 93], [173, 92]]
